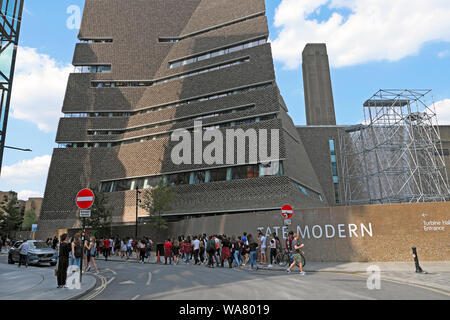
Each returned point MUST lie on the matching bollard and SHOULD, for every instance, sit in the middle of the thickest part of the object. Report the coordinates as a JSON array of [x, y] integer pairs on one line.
[[416, 260], [158, 260]]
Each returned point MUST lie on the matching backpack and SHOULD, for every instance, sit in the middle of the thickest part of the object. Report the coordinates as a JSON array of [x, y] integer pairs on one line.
[[210, 245]]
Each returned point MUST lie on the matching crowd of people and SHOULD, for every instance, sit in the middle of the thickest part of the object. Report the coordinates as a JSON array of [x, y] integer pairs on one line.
[[218, 250], [212, 251]]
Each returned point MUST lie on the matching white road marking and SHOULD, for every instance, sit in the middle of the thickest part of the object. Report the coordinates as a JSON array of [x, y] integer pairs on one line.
[[127, 282], [149, 278], [112, 271], [136, 297], [110, 280]]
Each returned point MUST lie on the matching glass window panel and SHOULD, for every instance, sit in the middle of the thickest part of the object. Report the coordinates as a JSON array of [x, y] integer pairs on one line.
[[122, 185], [218, 175], [199, 177], [239, 172]]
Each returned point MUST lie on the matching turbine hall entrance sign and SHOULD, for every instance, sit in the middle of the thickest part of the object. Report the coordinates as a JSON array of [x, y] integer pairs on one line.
[[85, 199], [287, 212]]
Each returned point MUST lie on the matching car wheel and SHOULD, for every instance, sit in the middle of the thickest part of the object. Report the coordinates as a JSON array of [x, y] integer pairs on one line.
[[10, 259]]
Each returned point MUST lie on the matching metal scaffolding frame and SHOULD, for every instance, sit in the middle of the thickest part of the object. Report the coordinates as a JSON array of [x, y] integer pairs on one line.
[[10, 21], [395, 156]]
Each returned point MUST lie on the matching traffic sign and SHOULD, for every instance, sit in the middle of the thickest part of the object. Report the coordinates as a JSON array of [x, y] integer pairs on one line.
[[85, 213], [85, 199], [287, 212], [287, 222], [34, 227]]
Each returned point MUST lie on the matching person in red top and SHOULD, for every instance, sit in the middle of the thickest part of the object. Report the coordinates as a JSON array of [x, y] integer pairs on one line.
[[187, 246], [106, 248], [168, 251], [289, 240]]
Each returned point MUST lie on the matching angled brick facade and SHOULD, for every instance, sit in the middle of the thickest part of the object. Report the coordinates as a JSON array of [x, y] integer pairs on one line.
[[139, 40]]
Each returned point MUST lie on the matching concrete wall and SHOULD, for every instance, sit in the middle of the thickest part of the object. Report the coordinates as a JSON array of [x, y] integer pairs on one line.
[[361, 233]]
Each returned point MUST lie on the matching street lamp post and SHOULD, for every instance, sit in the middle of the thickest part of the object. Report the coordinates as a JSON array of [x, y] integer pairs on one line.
[[137, 208]]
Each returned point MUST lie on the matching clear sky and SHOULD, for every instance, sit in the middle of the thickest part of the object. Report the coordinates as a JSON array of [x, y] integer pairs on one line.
[[372, 44]]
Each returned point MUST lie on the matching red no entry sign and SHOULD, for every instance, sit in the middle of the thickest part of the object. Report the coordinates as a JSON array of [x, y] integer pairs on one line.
[[85, 199], [287, 212]]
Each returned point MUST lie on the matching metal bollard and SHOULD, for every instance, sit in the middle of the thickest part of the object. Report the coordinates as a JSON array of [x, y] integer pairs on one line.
[[416, 260]]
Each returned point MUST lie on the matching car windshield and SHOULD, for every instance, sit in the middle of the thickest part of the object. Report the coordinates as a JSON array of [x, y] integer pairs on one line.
[[38, 245]]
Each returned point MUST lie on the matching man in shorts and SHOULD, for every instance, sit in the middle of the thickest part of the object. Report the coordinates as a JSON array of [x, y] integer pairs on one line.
[[297, 245]]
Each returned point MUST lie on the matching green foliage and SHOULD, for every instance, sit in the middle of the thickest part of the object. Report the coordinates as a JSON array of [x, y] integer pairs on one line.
[[29, 219], [10, 217], [101, 215], [156, 201]]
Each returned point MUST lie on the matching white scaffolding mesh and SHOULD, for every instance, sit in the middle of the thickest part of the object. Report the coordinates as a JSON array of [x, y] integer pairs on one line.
[[396, 155]]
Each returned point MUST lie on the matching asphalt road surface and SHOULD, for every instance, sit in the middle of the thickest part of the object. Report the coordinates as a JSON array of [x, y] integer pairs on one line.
[[132, 281]]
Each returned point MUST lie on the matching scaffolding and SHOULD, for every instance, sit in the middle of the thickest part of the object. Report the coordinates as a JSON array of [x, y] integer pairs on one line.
[[10, 21], [395, 156]]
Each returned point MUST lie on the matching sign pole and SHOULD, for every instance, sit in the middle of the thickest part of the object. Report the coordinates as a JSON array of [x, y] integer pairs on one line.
[[82, 249]]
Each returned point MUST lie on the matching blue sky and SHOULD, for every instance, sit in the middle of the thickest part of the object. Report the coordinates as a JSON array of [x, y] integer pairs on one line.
[[401, 57]]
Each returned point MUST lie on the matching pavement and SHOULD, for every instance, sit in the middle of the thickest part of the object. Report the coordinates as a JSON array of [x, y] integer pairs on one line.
[[436, 274], [37, 283]]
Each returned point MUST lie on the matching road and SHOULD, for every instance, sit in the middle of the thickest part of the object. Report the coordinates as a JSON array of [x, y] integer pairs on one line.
[[132, 281]]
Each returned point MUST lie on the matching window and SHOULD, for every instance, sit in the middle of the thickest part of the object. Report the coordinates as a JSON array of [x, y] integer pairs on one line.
[[218, 175], [334, 171], [178, 179], [198, 177], [122, 185]]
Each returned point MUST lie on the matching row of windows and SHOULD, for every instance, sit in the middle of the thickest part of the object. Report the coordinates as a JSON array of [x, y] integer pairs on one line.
[[93, 69], [309, 192], [113, 84], [168, 106], [226, 24], [192, 178], [335, 172], [217, 53], [96, 40], [159, 135], [155, 125]]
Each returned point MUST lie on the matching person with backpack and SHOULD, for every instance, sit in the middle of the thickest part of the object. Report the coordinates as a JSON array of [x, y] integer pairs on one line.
[[211, 251], [253, 246], [77, 251], [142, 246]]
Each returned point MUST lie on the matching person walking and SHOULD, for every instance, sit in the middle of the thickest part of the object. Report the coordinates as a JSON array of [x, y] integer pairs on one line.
[[253, 246], [54, 243], [263, 258], [235, 249], [23, 253], [77, 250], [297, 245], [226, 252], [196, 246], [168, 251], [63, 260], [187, 246], [273, 250], [202, 249], [90, 257], [148, 249], [106, 248], [142, 249], [176, 251], [211, 251], [123, 249]]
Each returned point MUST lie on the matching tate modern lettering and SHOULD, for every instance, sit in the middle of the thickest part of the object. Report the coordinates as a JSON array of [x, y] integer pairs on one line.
[[327, 231]]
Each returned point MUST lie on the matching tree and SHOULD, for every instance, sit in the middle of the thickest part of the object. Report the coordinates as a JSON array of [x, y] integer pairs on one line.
[[29, 219], [156, 201], [10, 216], [101, 215]]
